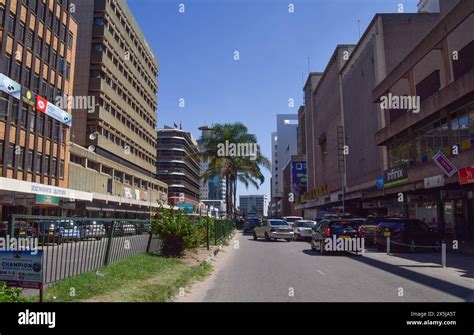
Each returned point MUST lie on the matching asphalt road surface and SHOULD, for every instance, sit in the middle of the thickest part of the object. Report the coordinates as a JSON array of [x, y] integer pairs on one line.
[[280, 271]]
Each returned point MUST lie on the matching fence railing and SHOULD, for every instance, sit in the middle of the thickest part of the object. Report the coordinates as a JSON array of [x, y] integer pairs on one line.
[[72, 246]]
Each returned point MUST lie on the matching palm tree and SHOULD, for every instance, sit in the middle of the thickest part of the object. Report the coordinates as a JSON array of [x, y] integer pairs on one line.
[[232, 168]]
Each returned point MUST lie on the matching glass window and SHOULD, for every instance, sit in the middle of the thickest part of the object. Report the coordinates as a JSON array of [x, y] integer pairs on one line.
[[10, 154], [23, 116], [6, 65], [1, 152], [40, 124], [39, 159], [20, 158], [61, 169], [69, 40], [29, 39], [30, 160], [15, 112], [32, 121], [46, 164], [2, 12], [55, 165], [4, 106], [26, 78], [21, 32], [11, 24]]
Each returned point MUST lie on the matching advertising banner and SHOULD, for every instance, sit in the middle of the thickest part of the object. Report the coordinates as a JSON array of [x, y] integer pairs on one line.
[[444, 164], [395, 176], [21, 269], [10, 86], [466, 175], [46, 107], [299, 179]]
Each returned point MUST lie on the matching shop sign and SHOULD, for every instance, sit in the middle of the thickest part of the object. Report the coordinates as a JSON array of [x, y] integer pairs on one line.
[[380, 183], [10, 86], [28, 97], [395, 176], [21, 269], [466, 175], [444, 164], [47, 200], [452, 194], [435, 181]]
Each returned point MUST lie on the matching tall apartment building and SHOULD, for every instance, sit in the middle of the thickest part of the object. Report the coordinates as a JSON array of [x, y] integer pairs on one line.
[[253, 206], [116, 139], [37, 64], [178, 166]]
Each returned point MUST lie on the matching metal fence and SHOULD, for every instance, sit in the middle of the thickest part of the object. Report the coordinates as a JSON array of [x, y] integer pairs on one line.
[[72, 246]]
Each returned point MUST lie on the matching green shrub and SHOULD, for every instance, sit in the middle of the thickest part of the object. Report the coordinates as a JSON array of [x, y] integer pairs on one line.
[[177, 233], [10, 294]]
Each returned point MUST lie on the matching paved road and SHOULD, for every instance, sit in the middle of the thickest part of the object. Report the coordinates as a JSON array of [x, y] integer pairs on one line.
[[281, 271]]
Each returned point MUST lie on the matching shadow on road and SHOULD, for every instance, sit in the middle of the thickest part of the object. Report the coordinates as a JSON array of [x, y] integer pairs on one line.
[[462, 263], [429, 281]]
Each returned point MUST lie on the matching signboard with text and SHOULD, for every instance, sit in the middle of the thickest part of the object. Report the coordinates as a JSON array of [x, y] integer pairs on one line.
[[10, 86], [21, 269], [395, 176], [444, 164], [50, 109], [466, 175]]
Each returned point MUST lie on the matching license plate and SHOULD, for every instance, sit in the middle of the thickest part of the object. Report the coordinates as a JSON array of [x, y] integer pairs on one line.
[[282, 230], [386, 234], [22, 232], [345, 236]]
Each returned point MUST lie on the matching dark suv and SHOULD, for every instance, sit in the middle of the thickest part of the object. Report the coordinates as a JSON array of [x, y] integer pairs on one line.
[[334, 228], [406, 234]]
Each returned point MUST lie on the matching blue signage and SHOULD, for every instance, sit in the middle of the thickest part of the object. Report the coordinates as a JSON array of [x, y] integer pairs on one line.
[[380, 184]]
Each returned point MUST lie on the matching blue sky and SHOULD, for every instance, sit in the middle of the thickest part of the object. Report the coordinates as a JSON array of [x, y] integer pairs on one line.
[[196, 54]]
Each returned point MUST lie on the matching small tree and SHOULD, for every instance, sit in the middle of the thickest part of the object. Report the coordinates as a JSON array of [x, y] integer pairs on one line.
[[10, 294], [176, 231]]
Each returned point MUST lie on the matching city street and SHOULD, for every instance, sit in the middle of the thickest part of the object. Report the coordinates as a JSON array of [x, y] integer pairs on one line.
[[260, 271]]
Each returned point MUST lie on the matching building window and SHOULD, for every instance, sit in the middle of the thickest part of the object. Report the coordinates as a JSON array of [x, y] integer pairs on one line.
[[97, 47], [1, 152], [2, 13], [30, 160], [39, 160], [4, 106], [68, 70], [55, 165], [21, 32], [16, 71], [29, 39], [20, 158], [42, 11], [32, 121], [6, 64], [61, 169], [11, 24], [46, 52], [99, 21], [10, 155], [39, 42], [46, 165], [40, 124], [54, 58], [15, 112], [23, 116], [69, 40], [26, 79]]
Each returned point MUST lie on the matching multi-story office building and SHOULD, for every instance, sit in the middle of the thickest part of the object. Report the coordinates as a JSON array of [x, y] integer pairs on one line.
[[38, 43], [253, 206], [439, 72], [115, 140], [284, 145], [340, 114], [178, 166]]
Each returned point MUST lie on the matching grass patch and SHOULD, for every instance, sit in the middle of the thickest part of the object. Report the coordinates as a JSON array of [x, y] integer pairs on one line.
[[144, 278]]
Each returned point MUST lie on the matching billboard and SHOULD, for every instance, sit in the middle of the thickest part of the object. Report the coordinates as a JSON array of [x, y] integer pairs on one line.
[[21, 269], [299, 178], [10, 86]]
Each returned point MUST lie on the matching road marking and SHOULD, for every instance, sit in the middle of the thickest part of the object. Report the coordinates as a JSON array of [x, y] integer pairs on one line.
[[321, 272]]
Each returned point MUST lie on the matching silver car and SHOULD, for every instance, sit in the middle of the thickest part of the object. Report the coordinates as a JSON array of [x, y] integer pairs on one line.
[[303, 229], [273, 229]]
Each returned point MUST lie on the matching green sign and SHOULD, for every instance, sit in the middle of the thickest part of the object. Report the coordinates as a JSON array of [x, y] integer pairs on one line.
[[47, 200]]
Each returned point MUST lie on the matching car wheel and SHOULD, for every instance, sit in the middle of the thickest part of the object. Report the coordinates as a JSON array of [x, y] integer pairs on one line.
[[288, 240], [255, 236], [267, 237]]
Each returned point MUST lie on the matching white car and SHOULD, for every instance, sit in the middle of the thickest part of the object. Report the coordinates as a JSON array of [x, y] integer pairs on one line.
[[291, 219], [303, 229], [273, 229]]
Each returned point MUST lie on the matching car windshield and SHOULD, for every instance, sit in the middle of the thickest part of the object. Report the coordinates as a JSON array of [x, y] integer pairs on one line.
[[305, 224], [392, 224], [278, 223], [341, 224]]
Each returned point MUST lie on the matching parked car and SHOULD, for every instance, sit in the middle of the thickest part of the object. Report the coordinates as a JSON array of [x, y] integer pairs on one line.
[[69, 230], [273, 229], [142, 228], [250, 224], [22, 230], [338, 228], [124, 228], [93, 230], [404, 233], [369, 227], [48, 232], [303, 229], [291, 219]]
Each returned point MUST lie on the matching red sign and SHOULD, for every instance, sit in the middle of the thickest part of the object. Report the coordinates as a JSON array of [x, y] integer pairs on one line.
[[41, 104], [466, 175]]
